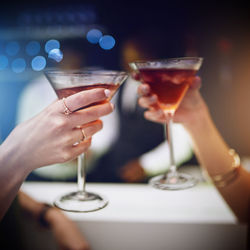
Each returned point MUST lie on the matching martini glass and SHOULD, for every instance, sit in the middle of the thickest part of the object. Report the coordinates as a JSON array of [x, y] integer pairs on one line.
[[169, 79], [66, 83]]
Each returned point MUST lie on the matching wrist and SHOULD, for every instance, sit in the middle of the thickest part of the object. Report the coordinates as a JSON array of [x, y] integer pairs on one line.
[[10, 160], [199, 120], [42, 216], [52, 216], [14, 156]]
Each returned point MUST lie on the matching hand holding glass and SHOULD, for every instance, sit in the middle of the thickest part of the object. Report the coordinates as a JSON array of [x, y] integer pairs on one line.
[[66, 83], [169, 79]]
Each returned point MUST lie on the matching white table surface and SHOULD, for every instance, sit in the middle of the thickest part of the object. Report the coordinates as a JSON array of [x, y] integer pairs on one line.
[[140, 217]]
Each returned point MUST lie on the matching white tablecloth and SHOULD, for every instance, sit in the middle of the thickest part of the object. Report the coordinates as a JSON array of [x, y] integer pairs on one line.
[[140, 217]]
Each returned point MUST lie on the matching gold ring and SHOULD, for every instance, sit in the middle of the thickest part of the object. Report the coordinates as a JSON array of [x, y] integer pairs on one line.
[[83, 134], [66, 110]]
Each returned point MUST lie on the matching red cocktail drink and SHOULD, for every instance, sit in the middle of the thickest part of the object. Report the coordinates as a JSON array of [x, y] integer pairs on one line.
[[169, 79], [170, 85], [65, 92]]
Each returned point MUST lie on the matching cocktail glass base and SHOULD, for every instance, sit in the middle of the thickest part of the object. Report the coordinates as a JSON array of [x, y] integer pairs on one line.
[[173, 182], [81, 202]]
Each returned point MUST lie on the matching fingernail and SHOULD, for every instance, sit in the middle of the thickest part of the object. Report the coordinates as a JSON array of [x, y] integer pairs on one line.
[[144, 89], [153, 98], [107, 92], [112, 106], [159, 112]]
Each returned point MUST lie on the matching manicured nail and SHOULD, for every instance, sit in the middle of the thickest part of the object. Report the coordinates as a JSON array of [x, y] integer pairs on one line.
[[107, 92], [153, 98], [144, 89], [159, 112]]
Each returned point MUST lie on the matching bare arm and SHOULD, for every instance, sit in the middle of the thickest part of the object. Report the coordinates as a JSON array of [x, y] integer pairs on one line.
[[213, 154], [210, 148]]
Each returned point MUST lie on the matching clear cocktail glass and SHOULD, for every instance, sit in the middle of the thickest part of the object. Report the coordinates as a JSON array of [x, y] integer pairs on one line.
[[66, 83], [169, 79]]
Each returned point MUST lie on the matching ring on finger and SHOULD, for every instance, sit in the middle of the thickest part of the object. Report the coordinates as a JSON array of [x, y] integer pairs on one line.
[[66, 110], [83, 134]]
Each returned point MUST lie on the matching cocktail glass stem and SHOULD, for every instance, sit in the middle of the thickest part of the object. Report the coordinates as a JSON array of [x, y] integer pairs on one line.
[[169, 79], [81, 172], [168, 128], [172, 179]]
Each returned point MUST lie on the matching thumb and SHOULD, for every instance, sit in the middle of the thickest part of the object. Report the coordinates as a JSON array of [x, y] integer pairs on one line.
[[196, 83]]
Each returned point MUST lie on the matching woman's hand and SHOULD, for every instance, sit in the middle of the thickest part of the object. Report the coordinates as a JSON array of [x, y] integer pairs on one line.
[[59, 133], [54, 136], [191, 105]]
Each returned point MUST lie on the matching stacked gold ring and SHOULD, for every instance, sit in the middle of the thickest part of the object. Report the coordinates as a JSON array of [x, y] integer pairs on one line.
[[83, 134], [66, 110]]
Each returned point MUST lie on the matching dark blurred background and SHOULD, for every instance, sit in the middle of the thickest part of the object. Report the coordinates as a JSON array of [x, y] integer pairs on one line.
[[33, 36]]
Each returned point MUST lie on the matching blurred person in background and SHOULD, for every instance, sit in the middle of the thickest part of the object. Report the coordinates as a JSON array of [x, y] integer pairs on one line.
[[24, 209]]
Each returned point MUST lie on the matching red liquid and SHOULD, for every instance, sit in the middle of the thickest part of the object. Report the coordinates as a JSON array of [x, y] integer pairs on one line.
[[170, 85], [73, 90]]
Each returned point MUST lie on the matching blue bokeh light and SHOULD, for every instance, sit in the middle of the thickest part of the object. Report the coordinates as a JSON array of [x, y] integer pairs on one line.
[[12, 48], [107, 42], [18, 65], [56, 54], [38, 63], [33, 48], [3, 62], [52, 44], [94, 35]]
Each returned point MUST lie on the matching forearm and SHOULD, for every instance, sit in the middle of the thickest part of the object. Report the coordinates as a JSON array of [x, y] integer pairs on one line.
[[34, 209], [213, 155], [29, 205], [209, 146], [12, 175]]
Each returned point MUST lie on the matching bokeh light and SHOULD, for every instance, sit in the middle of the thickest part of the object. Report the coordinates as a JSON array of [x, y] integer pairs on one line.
[[3, 62], [52, 44], [56, 54], [33, 48], [18, 65], [12, 48], [94, 35], [38, 63], [107, 42]]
